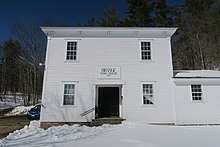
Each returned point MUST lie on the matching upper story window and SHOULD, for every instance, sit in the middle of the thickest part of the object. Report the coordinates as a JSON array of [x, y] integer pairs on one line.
[[196, 92], [148, 96], [146, 50], [69, 94], [71, 53]]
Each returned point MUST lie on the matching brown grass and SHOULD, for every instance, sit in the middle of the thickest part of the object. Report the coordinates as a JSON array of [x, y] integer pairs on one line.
[[12, 123]]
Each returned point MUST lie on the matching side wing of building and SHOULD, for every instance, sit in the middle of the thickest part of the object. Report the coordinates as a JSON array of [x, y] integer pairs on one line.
[[197, 96]]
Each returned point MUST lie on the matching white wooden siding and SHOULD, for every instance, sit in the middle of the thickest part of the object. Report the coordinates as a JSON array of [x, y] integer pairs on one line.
[[94, 52], [197, 112]]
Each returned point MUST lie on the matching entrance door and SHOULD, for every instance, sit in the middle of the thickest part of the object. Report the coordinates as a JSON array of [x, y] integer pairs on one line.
[[108, 101]]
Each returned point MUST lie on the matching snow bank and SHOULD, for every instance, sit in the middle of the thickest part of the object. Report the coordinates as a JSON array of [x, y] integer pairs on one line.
[[33, 134], [127, 134], [20, 110]]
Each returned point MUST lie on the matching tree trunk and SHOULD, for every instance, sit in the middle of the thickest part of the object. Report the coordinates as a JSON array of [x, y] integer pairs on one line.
[[14, 94], [201, 52]]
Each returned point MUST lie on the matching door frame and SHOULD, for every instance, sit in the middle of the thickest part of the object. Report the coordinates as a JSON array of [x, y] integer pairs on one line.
[[109, 85]]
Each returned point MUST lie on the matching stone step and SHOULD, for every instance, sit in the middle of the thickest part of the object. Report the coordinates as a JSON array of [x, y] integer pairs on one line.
[[107, 120]]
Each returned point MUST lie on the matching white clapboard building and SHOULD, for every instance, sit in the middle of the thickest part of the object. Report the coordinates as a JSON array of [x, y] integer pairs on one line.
[[122, 72]]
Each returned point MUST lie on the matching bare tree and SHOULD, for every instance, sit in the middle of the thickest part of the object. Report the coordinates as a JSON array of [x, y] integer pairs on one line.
[[33, 43], [196, 46]]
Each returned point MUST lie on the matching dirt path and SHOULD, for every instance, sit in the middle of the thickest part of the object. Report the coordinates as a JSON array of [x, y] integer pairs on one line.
[[12, 123]]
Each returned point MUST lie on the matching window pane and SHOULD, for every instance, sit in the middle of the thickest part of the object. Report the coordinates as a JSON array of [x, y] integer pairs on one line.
[[68, 100], [143, 44], [148, 100]]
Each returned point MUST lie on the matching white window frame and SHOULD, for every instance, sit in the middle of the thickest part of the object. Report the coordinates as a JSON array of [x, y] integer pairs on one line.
[[153, 93], [151, 51], [75, 93], [77, 51], [199, 92]]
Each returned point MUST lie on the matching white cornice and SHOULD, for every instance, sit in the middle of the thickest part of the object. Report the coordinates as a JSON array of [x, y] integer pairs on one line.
[[110, 32]]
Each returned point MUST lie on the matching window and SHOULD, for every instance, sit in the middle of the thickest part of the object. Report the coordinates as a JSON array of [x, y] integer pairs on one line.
[[145, 50], [69, 94], [71, 51], [196, 92], [148, 97]]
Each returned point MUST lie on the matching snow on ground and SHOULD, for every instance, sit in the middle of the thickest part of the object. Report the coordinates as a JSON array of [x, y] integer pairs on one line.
[[8, 102], [19, 110], [126, 134]]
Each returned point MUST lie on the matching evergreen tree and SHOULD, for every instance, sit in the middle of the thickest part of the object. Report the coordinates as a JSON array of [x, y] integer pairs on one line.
[[111, 17], [92, 22], [139, 13], [164, 15]]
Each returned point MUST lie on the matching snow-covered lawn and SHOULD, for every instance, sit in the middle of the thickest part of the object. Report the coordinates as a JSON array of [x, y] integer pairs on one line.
[[8, 101], [127, 134]]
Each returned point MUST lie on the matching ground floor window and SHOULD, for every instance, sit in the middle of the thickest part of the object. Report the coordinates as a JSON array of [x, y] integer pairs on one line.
[[148, 96], [196, 92], [69, 94]]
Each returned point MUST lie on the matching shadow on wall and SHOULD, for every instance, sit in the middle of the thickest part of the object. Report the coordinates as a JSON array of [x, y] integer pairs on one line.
[[60, 112]]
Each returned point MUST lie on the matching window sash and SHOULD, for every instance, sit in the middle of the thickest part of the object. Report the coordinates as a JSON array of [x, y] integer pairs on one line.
[[148, 96], [146, 50], [69, 94], [196, 92], [71, 52], [68, 100]]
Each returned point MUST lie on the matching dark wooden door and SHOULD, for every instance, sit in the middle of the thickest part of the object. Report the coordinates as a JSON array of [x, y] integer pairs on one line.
[[108, 101]]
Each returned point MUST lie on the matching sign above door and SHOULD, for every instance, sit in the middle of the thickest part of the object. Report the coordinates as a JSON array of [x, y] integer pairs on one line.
[[109, 72]]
